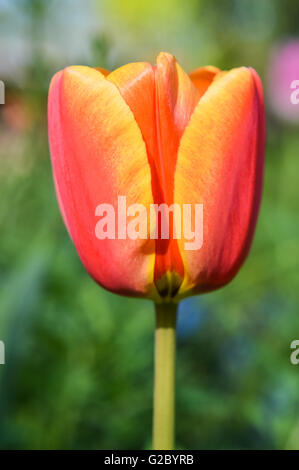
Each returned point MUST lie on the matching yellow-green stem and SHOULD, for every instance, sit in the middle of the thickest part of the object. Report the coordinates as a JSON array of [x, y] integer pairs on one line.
[[164, 385]]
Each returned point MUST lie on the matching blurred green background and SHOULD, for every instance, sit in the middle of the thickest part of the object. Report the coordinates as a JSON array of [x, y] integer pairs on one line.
[[79, 360]]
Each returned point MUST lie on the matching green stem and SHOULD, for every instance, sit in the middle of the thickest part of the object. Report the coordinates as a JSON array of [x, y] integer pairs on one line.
[[165, 344]]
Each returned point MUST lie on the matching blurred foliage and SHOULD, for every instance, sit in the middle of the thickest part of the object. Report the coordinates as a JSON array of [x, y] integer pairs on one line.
[[79, 360]]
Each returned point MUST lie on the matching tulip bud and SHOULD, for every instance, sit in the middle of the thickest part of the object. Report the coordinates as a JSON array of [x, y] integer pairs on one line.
[[153, 136]]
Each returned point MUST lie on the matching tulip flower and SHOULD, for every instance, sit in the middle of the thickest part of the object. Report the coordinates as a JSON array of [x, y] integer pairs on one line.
[[144, 136]]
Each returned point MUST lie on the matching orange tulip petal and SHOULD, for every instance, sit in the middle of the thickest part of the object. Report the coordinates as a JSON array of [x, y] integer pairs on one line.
[[136, 83], [176, 98], [162, 99], [104, 72], [220, 165], [202, 77], [98, 154]]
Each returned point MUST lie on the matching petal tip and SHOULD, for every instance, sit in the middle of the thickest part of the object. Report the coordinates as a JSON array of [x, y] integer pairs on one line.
[[165, 57]]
